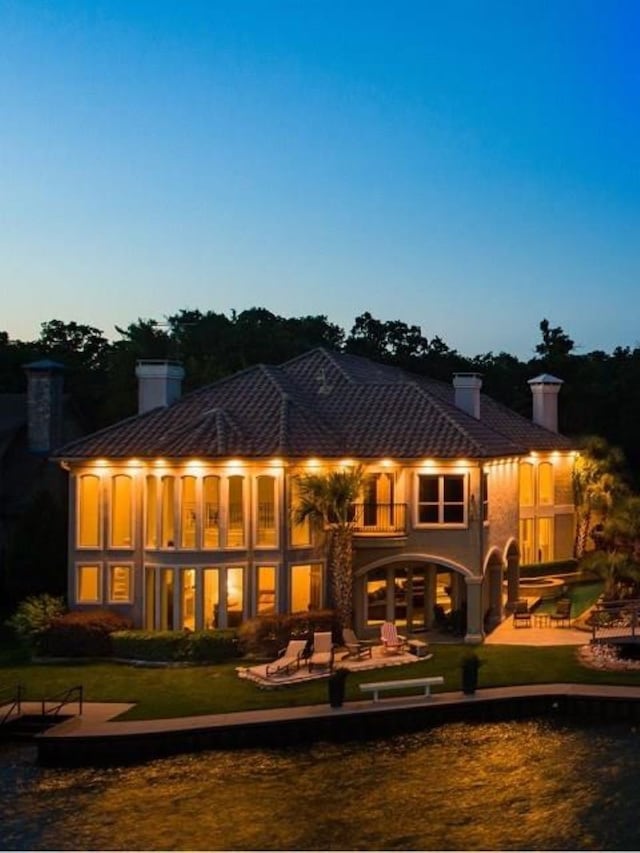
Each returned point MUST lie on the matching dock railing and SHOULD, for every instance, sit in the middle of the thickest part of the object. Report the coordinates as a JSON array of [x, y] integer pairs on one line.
[[615, 619]]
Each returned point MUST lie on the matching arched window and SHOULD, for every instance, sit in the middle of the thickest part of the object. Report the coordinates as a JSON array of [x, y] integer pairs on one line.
[[121, 511], [526, 484], [188, 513], [168, 513], [211, 512], [88, 511], [266, 512], [151, 508], [545, 484], [235, 526]]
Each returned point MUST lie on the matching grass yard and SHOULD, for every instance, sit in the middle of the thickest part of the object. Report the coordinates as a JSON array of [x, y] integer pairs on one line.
[[178, 692]]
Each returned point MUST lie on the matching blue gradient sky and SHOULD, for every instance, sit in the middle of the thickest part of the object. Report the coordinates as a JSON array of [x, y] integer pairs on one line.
[[469, 167]]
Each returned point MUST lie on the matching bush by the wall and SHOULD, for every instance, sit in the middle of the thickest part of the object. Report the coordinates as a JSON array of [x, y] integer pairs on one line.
[[194, 646], [34, 615], [264, 635], [81, 633]]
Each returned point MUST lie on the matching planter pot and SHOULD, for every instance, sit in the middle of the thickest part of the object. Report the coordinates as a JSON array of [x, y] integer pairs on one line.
[[470, 676]]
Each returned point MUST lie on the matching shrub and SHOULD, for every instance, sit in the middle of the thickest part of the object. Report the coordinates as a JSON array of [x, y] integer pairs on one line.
[[34, 615], [81, 633], [196, 646], [264, 635]]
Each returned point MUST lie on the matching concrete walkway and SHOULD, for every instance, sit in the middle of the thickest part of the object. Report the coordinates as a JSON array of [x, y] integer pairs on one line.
[[506, 635]]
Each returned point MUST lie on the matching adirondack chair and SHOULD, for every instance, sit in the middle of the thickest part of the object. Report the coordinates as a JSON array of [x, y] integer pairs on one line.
[[358, 649], [392, 642]]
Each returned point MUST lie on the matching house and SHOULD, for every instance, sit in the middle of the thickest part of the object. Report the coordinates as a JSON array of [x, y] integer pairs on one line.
[[181, 517]]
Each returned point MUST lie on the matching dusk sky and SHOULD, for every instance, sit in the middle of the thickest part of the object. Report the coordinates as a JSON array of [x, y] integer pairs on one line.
[[470, 167]]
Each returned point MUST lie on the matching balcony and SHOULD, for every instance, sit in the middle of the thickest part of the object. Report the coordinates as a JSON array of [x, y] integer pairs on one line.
[[380, 519]]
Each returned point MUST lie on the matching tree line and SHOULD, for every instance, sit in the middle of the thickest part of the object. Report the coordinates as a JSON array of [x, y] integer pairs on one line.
[[601, 394]]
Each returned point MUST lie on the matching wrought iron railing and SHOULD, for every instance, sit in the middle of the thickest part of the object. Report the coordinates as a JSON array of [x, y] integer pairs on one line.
[[12, 698], [66, 697], [380, 518], [615, 619]]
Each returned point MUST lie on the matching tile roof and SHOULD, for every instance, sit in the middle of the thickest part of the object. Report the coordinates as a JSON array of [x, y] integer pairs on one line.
[[323, 404]]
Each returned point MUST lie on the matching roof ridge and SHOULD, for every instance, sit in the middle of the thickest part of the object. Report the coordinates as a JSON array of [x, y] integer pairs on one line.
[[443, 409]]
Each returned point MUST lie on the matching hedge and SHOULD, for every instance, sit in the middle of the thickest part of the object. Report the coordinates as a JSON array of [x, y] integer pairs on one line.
[[81, 633], [191, 646]]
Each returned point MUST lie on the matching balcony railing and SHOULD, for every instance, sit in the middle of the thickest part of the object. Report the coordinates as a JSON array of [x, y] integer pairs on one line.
[[380, 518]]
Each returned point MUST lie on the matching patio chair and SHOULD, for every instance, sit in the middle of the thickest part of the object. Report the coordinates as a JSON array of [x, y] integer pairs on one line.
[[322, 653], [392, 642], [562, 616], [521, 614], [288, 660], [357, 649]]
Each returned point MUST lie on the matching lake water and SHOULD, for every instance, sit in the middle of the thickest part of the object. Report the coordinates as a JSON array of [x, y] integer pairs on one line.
[[512, 786]]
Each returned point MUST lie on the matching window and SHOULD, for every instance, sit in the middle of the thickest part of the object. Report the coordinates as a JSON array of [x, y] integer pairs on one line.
[[485, 497], [211, 512], [441, 499], [168, 520], [89, 584], [300, 533], [526, 484], [306, 587], [151, 523], [266, 512], [121, 512], [265, 590], [545, 549], [120, 586], [235, 527], [88, 506], [235, 596], [526, 541], [210, 596], [188, 599], [545, 484], [188, 513]]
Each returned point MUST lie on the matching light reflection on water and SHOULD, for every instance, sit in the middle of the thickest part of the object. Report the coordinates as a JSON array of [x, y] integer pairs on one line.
[[525, 785]]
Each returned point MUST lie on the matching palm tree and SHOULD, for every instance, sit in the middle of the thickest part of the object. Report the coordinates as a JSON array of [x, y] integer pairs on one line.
[[597, 484], [327, 500]]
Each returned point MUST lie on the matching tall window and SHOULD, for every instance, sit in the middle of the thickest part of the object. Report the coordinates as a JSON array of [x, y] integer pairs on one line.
[[545, 543], [88, 507], [545, 484], [300, 533], [266, 512], [121, 511], [306, 587], [526, 484], [235, 596], [168, 510], [527, 548], [89, 582], [235, 526], [265, 590], [188, 513], [441, 499], [188, 599], [485, 497], [210, 598], [151, 504], [211, 512]]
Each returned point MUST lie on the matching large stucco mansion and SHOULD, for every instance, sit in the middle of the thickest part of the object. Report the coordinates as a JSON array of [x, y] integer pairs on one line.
[[181, 517]]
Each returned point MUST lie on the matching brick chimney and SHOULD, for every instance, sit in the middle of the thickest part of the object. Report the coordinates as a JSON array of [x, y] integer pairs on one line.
[[545, 389], [467, 392], [44, 405], [159, 383]]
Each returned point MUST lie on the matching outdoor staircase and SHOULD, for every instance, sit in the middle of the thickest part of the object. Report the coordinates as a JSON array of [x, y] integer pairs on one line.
[[26, 726]]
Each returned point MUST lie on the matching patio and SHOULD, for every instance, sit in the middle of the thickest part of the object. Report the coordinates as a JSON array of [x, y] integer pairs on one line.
[[378, 659]]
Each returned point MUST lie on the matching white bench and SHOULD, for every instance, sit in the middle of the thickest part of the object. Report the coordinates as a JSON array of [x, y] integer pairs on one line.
[[377, 687]]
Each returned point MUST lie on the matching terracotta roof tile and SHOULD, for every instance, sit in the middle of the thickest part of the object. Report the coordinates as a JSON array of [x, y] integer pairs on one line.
[[322, 404]]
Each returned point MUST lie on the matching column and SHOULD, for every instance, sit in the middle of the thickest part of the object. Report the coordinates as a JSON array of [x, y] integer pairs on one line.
[[429, 595], [495, 595], [475, 633], [513, 580]]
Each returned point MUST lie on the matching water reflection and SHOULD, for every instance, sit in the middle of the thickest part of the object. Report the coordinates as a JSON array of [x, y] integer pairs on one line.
[[507, 785]]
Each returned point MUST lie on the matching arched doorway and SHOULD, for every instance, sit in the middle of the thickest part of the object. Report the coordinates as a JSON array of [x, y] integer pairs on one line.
[[415, 593], [492, 599]]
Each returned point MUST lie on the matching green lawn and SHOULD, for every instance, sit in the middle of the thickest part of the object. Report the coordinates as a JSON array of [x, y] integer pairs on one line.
[[168, 692], [583, 595]]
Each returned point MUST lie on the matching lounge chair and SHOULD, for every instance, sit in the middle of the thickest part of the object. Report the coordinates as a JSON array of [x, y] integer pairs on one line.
[[521, 615], [392, 642], [288, 660], [562, 616], [358, 649], [322, 653]]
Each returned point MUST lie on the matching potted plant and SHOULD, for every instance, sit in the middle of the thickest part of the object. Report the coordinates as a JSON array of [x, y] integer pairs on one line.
[[470, 665], [337, 683]]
